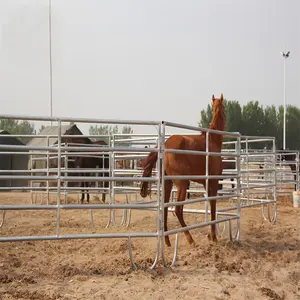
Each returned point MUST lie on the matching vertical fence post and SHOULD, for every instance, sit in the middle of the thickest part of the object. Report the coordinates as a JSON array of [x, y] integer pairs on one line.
[[280, 173], [238, 186], [297, 170], [206, 174], [247, 168], [275, 181], [48, 173], [31, 181], [161, 189], [66, 159], [109, 167], [58, 180], [97, 183], [113, 166], [103, 174]]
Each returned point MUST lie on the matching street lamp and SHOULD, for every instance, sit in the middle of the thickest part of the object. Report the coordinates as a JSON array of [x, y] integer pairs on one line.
[[285, 56], [50, 57]]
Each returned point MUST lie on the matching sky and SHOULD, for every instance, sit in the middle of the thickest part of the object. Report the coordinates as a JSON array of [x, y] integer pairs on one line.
[[146, 60]]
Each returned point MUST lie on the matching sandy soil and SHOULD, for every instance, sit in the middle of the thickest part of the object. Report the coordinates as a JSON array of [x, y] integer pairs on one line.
[[265, 264]]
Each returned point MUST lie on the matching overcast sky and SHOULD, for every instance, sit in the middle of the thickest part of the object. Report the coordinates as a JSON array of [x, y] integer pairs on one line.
[[154, 60]]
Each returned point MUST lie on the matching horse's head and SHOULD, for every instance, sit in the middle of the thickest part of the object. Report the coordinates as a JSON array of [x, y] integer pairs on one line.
[[218, 121], [287, 156], [218, 104]]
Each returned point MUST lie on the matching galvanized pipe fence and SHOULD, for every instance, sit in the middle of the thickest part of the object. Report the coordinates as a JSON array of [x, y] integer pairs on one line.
[[251, 180]]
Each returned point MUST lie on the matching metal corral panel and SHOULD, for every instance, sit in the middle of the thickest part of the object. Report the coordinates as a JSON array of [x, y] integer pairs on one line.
[[53, 130], [12, 161]]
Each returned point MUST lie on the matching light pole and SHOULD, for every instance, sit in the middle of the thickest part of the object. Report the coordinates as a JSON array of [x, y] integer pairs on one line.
[[50, 57], [285, 56]]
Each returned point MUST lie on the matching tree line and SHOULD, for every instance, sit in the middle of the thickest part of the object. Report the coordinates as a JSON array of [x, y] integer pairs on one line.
[[255, 120], [28, 128], [249, 119]]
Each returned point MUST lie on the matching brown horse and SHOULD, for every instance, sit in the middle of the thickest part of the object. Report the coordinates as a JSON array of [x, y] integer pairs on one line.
[[87, 162], [226, 165], [188, 164]]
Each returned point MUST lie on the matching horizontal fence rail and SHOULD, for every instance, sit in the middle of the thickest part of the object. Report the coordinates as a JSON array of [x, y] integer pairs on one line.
[[54, 182]]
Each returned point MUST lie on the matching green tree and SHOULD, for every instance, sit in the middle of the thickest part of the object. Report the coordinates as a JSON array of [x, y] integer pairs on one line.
[[108, 130], [233, 113], [206, 116], [293, 127], [17, 127], [254, 120], [103, 129], [127, 129], [42, 128], [270, 121], [279, 132]]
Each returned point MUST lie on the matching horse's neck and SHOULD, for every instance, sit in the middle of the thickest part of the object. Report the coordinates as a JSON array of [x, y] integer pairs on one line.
[[217, 123], [215, 140]]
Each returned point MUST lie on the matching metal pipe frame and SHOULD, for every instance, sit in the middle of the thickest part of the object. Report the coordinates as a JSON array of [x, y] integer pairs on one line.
[[249, 184], [70, 150], [283, 171]]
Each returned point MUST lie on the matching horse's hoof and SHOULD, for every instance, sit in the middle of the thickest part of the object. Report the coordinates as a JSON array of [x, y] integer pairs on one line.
[[212, 238], [193, 244], [191, 241]]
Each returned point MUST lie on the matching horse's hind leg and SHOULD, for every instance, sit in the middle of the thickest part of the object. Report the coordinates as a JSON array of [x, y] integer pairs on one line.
[[212, 191], [181, 189], [213, 235], [82, 192], [105, 184], [232, 185], [188, 194], [220, 186], [168, 189], [87, 193]]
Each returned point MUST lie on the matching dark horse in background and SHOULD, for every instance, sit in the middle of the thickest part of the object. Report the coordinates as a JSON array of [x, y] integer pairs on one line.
[[85, 162], [291, 158]]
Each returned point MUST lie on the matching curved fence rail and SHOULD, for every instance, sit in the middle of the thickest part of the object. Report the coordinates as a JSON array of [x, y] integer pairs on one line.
[[52, 182]]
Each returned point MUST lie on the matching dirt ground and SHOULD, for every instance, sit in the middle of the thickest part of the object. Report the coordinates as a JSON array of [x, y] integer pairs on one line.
[[265, 264]]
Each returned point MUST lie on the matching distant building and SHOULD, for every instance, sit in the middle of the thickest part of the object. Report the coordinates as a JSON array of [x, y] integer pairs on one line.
[[39, 162], [12, 161], [51, 141]]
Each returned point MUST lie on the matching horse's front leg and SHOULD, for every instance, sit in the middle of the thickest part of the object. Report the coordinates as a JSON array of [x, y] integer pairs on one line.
[[82, 192], [103, 197], [212, 191], [181, 194], [87, 193]]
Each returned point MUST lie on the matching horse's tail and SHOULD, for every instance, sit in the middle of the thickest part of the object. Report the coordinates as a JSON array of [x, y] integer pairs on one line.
[[148, 165]]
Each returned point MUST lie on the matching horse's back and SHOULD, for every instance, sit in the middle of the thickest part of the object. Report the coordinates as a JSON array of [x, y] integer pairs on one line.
[[186, 142]]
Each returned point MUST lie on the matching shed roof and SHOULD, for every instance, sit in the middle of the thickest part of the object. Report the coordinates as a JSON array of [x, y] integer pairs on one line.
[[8, 140], [53, 130]]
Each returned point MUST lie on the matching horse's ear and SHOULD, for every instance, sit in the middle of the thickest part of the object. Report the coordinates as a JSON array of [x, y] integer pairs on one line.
[[213, 98], [221, 98]]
